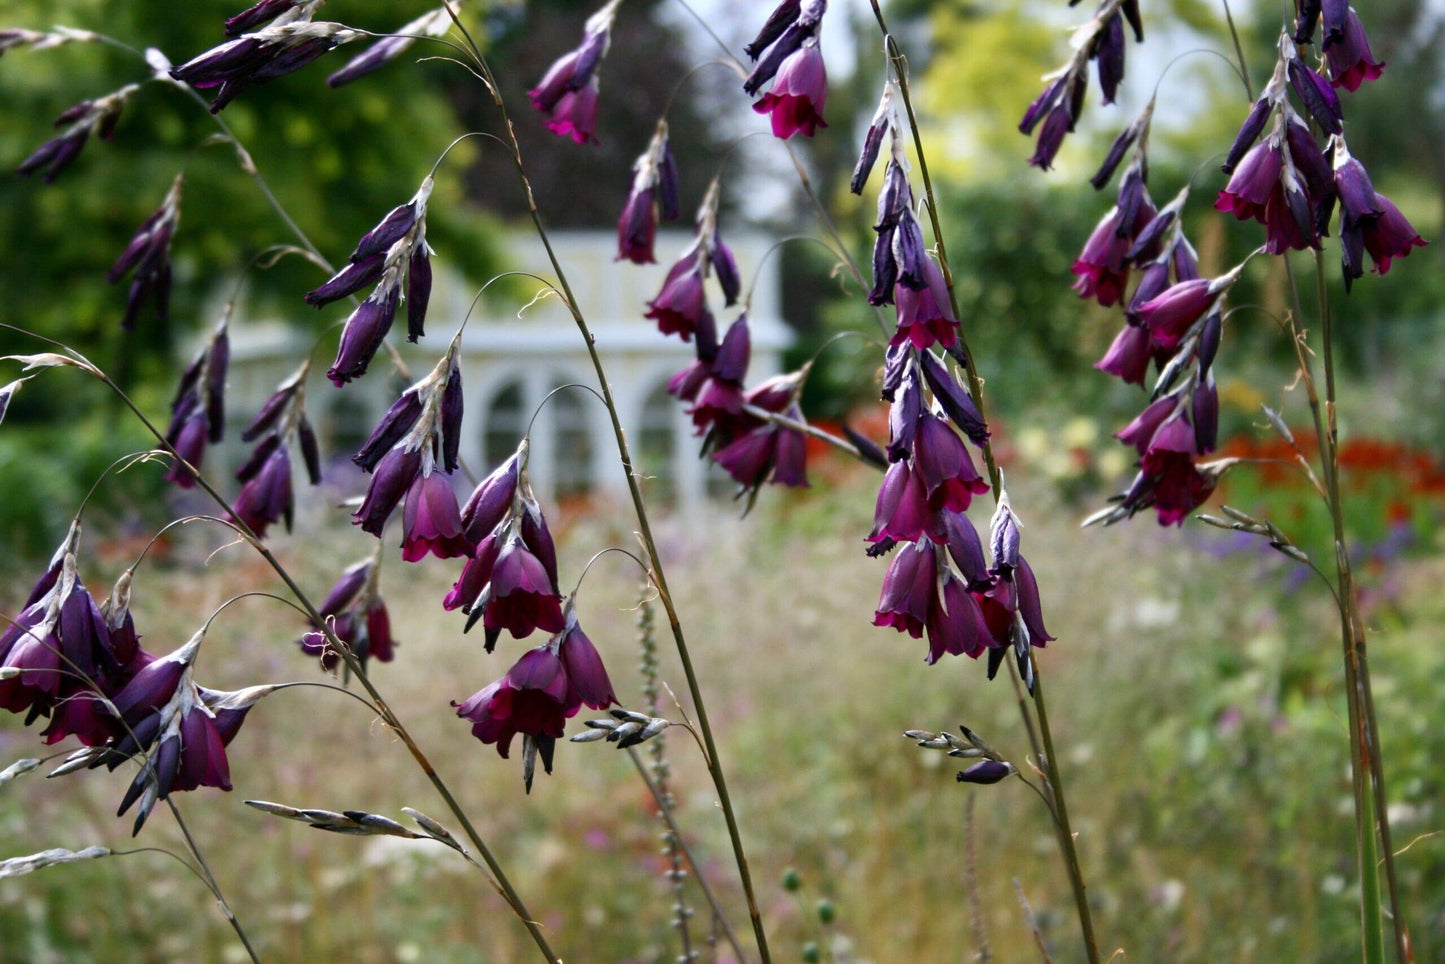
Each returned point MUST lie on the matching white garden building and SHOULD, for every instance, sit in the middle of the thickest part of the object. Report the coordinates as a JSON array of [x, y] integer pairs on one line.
[[513, 355]]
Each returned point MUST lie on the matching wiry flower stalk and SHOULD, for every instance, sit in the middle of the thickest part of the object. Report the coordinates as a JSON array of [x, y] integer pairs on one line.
[[1047, 761], [654, 558]]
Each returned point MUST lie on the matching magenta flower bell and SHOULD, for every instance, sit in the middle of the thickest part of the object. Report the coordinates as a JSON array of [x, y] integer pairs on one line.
[[431, 522], [567, 93], [795, 102]]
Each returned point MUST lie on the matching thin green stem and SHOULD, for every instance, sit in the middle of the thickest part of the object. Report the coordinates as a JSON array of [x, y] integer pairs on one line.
[[1054, 781], [1066, 833], [1238, 50], [1365, 732], [211, 883], [669, 818], [659, 579]]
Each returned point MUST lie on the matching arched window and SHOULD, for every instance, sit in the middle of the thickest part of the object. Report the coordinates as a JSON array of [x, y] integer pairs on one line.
[[504, 423], [571, 442]]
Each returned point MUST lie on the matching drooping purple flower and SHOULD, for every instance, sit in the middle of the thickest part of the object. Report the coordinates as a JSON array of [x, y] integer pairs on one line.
[[99, 116], [942, 461], [1128, 355], [281, 47], [521, 596], [431, 521], [270, 11], [434, 23], [681, 305], [586, 675], [794, 63], [181, 730], [925, 315], [567, 93], [883, 121], [1103, 266], [266, 495], [537, 696], [1316, 93], [654, 190], [494, 498], [1369, 221], [909, 589], [1349, 57], [718, 396], [390, 481], [955, 623], [795, 102]]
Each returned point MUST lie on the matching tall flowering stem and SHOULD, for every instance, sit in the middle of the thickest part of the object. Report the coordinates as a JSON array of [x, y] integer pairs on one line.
[[1053, 780], [654, 559], [1366, 769], [975, 385]]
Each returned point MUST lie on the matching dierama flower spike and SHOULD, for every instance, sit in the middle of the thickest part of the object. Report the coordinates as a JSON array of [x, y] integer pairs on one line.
[[537, 696], [654, 191], [287, 44], [149, 256], [794, 63], [198, 410], [395, 246], [266, 495], [567, 93], [99, 116]]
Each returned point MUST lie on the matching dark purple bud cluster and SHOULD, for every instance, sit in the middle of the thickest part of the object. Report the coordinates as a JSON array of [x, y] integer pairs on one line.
[[1103, 266], [793, 61], [903, 272], [680, 308], [81, 665], [149, 256], [180, 729], [99, 116], [434, 23], [198, 412], [1285, 181], [421, 429], [1369, 221], [1061, 103], [290, 41], [733, 420], [394, 249], [356, 615], [1180, 328], [266, 494], [567, 93], [654, 191], [510, 580]]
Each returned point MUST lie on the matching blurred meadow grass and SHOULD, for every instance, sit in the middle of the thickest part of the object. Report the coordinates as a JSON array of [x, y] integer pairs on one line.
[[1200, 720]]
